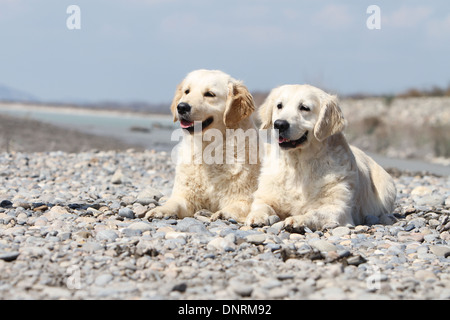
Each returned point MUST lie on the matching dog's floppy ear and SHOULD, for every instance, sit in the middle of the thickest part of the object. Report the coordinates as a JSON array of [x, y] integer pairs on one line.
[[240, 104], [331, 119], [265, 113], [176, 100]]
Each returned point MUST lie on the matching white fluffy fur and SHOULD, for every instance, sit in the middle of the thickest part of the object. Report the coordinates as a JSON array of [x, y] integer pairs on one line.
[[323, 182], [223, 189]]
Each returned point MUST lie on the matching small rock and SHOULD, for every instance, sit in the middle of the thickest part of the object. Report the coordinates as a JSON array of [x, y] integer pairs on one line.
[[424, 275], [147, 194], [146, 201], [175, 235], [440, 251], [221, 244], [141, 226], [43, 207], [126, 213], [285, 276], [5, 204], [131, 232], [181, 287], [103, 280], [322, 245], [421, 191], [40, 222], [410, 210], [278, 293], [140, 211], [242, 289], [83, 234], [433, 200], [404, 236], [447, 202], [117, 177], [256, 238], [356, 260], [9, 256], [191, 225], [361, 229], [108, 235], [53, 213], [340, 231]]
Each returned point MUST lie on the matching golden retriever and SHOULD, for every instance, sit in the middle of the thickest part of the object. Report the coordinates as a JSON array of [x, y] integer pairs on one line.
[[206, 102], [316, 179]]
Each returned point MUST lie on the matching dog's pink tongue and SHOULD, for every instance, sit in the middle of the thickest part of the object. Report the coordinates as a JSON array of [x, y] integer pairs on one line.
[[281, 140], [186, 124]]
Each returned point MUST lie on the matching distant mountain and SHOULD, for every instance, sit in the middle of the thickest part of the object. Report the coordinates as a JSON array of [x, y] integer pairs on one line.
[[11, 94]]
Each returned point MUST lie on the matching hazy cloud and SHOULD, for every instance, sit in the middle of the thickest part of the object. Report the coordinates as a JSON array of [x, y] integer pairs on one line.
[[334, 16], [407, 16]]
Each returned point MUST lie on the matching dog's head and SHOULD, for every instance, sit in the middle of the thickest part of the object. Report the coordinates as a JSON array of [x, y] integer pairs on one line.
[[301, 114], [213, 99]]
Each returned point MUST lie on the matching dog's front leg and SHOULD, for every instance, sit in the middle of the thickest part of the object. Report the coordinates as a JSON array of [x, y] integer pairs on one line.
[[259, 214], [324, 217], [237, 210]]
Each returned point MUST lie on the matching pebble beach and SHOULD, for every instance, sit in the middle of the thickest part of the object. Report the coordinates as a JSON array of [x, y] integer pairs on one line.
[[72, 227]]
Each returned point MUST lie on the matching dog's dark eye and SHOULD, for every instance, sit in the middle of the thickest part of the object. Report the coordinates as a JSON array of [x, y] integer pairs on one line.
[[280, 105], [209, 94], [187, 91], [304, 108]]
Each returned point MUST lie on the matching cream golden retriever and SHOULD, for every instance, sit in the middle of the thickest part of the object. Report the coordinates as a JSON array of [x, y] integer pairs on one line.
[[316, 179], [211, 101]]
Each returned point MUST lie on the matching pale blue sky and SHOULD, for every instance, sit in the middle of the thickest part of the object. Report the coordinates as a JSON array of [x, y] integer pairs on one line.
[[138, 50]]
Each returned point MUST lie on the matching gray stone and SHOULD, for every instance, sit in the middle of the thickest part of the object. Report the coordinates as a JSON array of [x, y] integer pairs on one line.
[[126, 213], [322, 245], [146, 201], [141, 226], [356, 260], [434, 200], [441, 251], [191, 225], [63, 230], [149, 193], [256, 238], [9, 256], [103, 279], [117, 177], [340, 231], [221, 244], [131, 232], [108, 235], [241, 289], [6, 204]]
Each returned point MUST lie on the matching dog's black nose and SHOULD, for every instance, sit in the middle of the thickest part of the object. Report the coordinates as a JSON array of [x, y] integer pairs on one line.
[[183, 108], [281, 125]]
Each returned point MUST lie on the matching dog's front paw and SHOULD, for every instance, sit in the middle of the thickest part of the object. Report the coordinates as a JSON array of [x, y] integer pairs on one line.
[[221, 214], [203, 213], [160, 213], [257, 219], [294, 225]]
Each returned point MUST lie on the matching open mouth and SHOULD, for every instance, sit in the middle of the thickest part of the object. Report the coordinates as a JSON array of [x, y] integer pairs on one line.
[[289, 144], [190, 126]]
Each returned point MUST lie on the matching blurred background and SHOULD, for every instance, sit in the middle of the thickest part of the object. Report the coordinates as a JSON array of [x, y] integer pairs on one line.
[[108, 84]]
